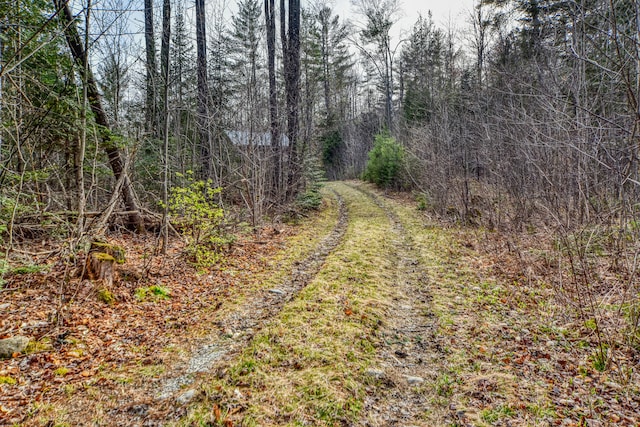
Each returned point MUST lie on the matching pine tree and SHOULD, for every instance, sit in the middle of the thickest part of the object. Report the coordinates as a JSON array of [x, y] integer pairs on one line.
[[422, 69], [246, 34]]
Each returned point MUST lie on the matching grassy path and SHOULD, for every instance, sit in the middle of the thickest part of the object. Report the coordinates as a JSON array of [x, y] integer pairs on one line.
[[404, 325], [308, 366], [354, 347], [370, 316]]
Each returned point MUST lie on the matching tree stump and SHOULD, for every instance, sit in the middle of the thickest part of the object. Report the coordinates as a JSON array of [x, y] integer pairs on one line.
[[117, 252], [100, 267], [101, 262]]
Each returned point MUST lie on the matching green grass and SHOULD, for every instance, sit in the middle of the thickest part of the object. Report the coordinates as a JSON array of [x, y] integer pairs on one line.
[[153, 293], [28, 269], [491, 415], [307, 365]]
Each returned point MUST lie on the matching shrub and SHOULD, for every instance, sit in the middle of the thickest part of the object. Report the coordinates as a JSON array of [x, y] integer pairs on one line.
[[311, 198], [385, 163], [200, 219]]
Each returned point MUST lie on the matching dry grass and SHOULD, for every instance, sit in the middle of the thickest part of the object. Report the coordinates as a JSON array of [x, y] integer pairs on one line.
[[511, 351], [306, 367]]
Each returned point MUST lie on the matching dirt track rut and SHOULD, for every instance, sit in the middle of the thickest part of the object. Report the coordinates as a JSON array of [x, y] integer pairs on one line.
[[407, 352], [229, 336]]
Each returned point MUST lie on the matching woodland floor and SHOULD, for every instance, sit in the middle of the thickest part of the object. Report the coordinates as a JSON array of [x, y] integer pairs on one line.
[[368, 313]]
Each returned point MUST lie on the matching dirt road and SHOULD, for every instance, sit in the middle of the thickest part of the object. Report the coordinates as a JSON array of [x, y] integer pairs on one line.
[[372, 315]]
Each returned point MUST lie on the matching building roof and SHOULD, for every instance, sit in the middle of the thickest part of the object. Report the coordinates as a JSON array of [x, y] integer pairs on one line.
[[260, 139]]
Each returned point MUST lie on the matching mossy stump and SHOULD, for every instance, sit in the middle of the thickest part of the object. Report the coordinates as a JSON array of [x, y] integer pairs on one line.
[[101, 262], [116, 252], [100, 267]]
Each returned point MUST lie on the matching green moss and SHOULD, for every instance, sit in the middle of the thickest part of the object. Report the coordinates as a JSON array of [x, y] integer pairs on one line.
[[38, 346], [106, 296], [117, 253], [103, 256], [61, 371], [154, 292], [7, 380]]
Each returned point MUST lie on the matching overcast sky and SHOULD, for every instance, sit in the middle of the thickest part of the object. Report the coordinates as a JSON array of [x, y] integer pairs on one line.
[[443, 12]]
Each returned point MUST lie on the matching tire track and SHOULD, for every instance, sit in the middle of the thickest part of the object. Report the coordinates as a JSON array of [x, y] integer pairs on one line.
[[233, 333], [409, 357], [244, 322]]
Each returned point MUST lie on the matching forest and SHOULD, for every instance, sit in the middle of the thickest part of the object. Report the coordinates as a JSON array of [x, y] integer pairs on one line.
[[528, 113], [206, 132]]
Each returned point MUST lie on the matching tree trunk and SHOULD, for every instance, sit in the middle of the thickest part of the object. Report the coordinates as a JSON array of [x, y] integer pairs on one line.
[[269, 13], [324, 50], [291, 58], [151, 113], [164, 58], [82, 143], [114, 155], [203, 91]]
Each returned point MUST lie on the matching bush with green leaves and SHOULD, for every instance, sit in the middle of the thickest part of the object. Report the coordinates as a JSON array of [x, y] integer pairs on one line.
[[311, 198], [200, 219], [385, 163], [4, 269]]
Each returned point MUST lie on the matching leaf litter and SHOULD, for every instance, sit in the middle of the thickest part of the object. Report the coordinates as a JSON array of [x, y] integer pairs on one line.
[[99, 363], [478, 335]]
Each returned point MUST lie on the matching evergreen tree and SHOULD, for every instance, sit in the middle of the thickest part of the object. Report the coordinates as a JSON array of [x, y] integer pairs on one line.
[[247, 32], [336, 61], [182, 70], [422, 70]]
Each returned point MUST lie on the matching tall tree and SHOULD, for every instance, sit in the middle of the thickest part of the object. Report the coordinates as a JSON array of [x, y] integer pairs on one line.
[[164, 63], [290, 35], [182, 69], [182, 97], [246, 36], [114, 52], [380, 16], [481, 22], [108, 140], [204, 137], [270, 20], [335, 58], [151, 70], [422, 69]]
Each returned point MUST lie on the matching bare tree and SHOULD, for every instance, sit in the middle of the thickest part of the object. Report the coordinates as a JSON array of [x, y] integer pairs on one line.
[[481, 24], [164, 59], [290, 36], [203, 92], [115, 156], [151, 68], [270, 20]]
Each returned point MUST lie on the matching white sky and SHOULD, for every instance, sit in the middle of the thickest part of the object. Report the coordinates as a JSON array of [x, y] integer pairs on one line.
[[444, 12]]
